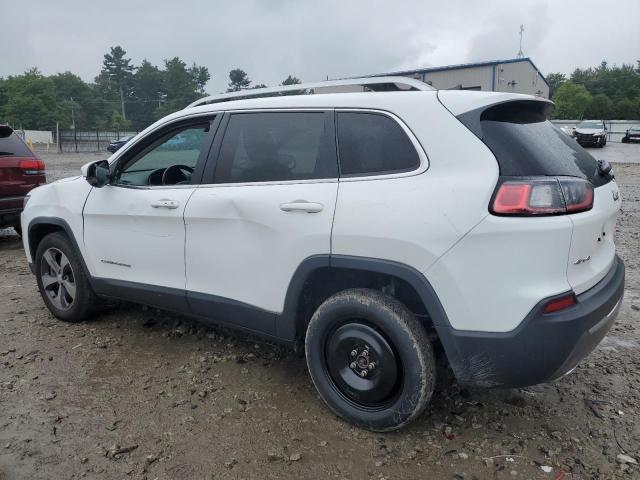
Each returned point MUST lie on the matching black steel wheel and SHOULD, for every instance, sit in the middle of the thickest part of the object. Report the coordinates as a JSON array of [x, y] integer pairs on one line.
[[362, 364], [370, 359]]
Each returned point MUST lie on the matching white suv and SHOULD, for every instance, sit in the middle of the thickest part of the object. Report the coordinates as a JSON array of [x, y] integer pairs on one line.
[[367, 229]]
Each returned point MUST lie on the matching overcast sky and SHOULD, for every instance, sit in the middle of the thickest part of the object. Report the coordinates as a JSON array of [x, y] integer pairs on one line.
[[271, 39]]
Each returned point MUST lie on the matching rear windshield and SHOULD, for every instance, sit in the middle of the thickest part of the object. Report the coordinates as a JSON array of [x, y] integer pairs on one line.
[[525, 143], [13, 146]]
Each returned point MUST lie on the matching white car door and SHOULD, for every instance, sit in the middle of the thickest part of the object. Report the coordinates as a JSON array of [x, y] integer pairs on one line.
[[134, 227], [269, 207]]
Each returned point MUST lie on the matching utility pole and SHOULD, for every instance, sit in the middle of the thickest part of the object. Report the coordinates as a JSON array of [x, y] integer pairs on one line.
[[73, 118], [124, 116], [520, 54]]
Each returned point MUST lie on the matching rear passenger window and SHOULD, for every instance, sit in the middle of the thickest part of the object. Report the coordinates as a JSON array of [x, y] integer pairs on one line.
[[266, 147], [373, 144]]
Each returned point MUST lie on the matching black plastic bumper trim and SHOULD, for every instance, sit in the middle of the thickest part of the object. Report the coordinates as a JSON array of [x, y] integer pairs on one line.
[[544, 346]]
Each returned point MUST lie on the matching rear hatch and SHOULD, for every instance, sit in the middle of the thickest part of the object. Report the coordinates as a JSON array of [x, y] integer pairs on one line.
[[527, 145], [20, 170]]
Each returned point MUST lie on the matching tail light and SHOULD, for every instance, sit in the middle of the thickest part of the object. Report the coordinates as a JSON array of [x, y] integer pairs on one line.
[[32, 166], [542, 196]]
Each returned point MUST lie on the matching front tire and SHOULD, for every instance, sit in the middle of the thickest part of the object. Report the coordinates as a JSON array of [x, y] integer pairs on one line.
[[62, 281], [370, 359]]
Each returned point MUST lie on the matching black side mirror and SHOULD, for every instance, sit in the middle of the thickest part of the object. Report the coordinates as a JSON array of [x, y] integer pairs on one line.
[[98, 174]]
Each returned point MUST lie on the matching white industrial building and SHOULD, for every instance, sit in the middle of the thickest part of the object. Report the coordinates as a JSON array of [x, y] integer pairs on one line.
[[516, 75]]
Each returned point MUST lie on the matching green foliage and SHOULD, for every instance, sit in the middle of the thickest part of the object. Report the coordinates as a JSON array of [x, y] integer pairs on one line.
[[291, 81], [29, 101], [239, 80], [35, 101], [555, 80], [115, 122], [572, 101], [599, 107], [613, 93]]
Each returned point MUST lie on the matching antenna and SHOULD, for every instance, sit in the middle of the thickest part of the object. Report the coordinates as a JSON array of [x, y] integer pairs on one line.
[[520, 54]]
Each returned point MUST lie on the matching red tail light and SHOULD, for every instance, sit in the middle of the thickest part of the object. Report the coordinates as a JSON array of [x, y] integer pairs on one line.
[[560, 303], [32, 166], [542, 196]]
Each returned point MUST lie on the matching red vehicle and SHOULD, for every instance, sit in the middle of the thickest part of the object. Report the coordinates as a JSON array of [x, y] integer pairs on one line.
[[20, 171]]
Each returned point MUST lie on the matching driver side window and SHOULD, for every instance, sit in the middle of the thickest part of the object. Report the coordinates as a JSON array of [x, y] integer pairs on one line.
[[170, 160]]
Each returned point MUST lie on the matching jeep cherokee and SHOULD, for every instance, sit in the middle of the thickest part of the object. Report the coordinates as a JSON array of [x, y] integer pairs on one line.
[[363, 228]]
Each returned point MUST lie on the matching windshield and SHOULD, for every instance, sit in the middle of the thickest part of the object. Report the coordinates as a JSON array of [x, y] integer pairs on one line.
[[590, 124], [634, 129]]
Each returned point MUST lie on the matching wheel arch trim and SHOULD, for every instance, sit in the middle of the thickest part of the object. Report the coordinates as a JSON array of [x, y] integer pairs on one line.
[[291, 327], [64, 226]]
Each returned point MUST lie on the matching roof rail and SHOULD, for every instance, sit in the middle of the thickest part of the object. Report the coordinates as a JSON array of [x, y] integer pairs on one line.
[[375, 84]]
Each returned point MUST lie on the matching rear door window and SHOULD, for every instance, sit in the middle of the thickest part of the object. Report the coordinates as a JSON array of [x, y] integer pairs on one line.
[[525, 143], [373, 144], [277, 146]]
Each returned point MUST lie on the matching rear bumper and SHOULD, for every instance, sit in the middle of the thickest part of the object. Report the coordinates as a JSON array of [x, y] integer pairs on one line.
[[544, 346], [10, 208]]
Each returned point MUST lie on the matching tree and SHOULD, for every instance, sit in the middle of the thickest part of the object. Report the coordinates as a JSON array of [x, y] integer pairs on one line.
[[571, 101], [600, 107], [554, 80], [179, 85], [200, 77], [239, 80], [148, 95], [116, 122], [259, 85], [76, 101], [115, 79], [626, 109], [30, 101], [291, 81]]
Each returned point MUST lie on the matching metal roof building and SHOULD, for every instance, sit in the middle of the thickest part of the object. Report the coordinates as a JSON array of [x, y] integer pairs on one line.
[[516, 75]]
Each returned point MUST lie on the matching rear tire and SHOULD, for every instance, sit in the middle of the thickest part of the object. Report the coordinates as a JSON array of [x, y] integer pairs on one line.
[[18, 229], [370, 359], [62, 281]]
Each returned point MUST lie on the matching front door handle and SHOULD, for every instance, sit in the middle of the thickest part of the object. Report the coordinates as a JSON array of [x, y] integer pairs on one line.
[[165, 203], [301, 206]]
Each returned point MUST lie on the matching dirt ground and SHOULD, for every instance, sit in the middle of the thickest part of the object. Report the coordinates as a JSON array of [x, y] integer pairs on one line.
[[138, 393]]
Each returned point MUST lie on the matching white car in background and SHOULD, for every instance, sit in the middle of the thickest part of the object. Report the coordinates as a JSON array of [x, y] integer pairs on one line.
[[367, 229], [591, 133]]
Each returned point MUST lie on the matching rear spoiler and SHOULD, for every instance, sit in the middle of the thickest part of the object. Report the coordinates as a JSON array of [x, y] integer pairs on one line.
[[5, 131], [471, 108]]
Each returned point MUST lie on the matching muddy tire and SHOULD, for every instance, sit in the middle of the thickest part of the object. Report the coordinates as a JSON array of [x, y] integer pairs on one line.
[[370, 359], [62, 281]]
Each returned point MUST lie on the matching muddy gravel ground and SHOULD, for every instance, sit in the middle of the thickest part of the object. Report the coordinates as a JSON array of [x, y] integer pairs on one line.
[[138, 393]]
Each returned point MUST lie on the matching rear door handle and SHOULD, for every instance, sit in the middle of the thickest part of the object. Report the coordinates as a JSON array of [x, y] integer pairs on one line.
[[165, 203], [301, 206]]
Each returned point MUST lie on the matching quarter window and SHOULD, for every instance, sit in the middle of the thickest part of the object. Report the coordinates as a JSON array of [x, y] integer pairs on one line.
[[278, 146], [373, 144]]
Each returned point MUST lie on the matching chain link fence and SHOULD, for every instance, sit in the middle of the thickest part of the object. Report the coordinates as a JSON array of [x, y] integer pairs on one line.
[[89, 141]]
